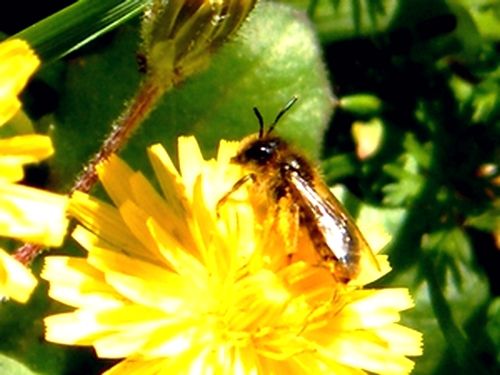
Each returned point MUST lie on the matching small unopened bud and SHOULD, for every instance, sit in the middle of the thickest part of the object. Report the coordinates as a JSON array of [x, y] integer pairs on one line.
[[361, 104], [180, 35]]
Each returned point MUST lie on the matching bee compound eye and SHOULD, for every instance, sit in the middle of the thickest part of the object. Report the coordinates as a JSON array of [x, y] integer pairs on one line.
[[260, 153]]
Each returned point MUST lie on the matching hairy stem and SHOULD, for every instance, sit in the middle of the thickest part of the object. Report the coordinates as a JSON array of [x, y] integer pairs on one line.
[[121, 131], [136, 111]]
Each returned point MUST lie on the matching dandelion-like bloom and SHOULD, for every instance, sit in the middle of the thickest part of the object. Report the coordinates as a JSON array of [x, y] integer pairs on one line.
[[25, 213], [177, 286]]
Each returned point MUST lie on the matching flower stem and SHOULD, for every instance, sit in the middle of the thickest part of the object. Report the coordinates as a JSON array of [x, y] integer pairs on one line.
[[122, 129], [136, 111]]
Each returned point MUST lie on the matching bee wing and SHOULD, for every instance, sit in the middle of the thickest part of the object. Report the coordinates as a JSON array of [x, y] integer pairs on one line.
[[340, 233]]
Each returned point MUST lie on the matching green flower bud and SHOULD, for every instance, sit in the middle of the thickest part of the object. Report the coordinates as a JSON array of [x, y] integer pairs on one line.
[[180, 35], [361, 104]]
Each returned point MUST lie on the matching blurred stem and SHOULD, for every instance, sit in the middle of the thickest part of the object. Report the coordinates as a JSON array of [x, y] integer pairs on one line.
[[137, 110], [77, 25]]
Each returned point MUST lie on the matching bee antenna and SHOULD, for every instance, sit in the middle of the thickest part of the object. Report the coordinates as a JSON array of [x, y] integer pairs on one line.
[[261, 121], [285, 109]]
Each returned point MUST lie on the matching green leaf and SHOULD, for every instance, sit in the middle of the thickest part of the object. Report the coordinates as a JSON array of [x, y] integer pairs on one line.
[[274, 57], [486, 14], [488, 221], [493, 326], [339, 166], [408, 170], [409, 183], [13, 367], [446, 309], [22, 327], [77, 25]]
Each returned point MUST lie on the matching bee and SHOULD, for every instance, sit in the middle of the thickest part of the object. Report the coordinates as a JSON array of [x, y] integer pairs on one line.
[[281, 172]]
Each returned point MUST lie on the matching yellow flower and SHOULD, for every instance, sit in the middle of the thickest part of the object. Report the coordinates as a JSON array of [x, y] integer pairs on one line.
[[17, 64], [176, 286], [25, 213]]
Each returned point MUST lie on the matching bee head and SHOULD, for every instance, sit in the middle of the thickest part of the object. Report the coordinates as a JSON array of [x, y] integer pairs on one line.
[[259, 151], [264, 148]]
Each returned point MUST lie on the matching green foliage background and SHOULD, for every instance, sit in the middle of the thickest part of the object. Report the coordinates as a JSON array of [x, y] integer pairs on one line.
[[427, 71]]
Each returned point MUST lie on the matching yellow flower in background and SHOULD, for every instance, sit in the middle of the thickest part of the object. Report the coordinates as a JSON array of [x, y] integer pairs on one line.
[[16, 281], [17, 63], [26, 213], [174, 285]]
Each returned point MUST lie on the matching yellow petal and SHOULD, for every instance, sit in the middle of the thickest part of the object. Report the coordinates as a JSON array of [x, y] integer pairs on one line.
[[25, 149], [32, 215], [121, 344], [181, 261], [20, 150], [362, 349], [105, 220], [10, 170], [139, 366], [115, 174], [174, 191], [147, 198], [16, 281], [375, 308], [170, 336], [17, 64], [320, 363], [77, 328], [369, 273], [145, 283], [190, 161], [130, 328], [149, 293], [226, 150], [137, 222], [74, 282], [402, 340]]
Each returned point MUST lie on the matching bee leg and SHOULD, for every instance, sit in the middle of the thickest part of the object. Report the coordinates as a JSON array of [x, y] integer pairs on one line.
[[238, 184]]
